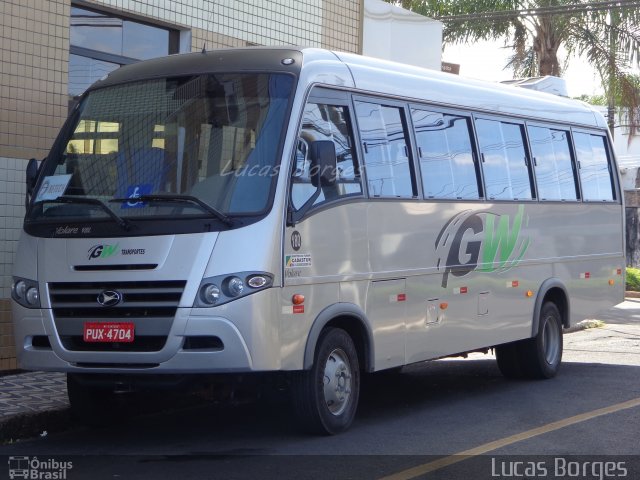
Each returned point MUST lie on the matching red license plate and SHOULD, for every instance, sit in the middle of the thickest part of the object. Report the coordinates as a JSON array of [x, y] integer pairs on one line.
[[111, 332]]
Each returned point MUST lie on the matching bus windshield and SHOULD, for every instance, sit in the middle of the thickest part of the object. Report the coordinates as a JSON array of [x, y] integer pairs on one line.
[[203, 145]]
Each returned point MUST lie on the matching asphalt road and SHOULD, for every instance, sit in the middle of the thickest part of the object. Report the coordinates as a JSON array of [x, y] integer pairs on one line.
[[409, 425]]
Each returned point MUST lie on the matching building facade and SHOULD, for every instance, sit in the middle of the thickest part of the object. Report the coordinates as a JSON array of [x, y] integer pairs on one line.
[[52, 50]]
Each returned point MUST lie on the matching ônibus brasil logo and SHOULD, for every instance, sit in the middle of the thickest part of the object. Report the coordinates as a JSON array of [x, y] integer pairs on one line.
[[482, 241], [102, 251]]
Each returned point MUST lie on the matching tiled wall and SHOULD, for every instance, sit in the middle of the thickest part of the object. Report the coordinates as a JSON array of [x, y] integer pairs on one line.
[[34, 69], [332, 24], [34, 50]]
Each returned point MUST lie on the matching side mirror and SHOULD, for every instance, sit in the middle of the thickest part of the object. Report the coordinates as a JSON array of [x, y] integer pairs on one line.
[[324, 163], [323, 172], [31, 178]]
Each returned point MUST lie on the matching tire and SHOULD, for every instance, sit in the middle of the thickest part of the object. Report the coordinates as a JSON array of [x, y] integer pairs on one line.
[[93, 405], [541, 355], [325, 397], [508, 359]]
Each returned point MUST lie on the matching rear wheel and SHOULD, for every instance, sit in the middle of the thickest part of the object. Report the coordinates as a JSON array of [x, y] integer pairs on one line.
[[540, 356], [537, 357], [326, 396], [509, 360]]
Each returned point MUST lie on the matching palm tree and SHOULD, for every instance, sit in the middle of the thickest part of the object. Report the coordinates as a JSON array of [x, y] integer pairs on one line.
[[605, 32]]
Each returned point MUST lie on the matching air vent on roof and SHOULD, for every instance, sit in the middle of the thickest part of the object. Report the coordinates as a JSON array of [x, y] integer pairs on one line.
[[547, 84]]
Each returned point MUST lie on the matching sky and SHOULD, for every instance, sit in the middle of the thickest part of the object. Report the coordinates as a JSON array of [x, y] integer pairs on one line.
[[486, 60]]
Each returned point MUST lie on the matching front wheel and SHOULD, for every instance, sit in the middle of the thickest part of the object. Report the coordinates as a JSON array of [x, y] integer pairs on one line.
[[94, 405], [326, 397]]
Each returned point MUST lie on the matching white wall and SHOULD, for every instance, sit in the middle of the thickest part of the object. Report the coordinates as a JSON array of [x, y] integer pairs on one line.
[[392, 33]]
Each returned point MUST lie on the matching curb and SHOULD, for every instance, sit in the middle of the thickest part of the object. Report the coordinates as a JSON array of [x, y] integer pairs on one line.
[[29, 425]]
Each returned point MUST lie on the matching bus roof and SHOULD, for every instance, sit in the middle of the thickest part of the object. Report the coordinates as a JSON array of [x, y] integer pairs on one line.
[[372, 75]]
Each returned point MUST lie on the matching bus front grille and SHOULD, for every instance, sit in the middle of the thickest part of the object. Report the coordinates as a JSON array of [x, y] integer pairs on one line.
[[150, 306]]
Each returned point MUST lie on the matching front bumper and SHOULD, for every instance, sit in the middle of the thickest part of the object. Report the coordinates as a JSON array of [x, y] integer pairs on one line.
[[234, 356]]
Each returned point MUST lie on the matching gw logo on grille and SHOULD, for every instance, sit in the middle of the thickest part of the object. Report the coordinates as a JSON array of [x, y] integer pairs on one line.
[[102, 251], [109, 298]]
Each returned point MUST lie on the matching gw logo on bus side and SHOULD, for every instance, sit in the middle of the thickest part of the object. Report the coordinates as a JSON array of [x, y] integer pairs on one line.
[[482, 241], [102, 251]]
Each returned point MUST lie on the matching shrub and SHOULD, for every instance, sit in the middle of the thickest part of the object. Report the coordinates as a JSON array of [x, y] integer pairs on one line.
[[633, 279]]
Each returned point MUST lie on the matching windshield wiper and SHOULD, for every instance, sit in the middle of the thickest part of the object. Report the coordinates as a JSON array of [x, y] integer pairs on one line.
[[123, 223], [180, 199]]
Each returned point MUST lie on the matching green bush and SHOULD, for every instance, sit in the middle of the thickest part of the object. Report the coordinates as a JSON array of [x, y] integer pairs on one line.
[[633, 279]]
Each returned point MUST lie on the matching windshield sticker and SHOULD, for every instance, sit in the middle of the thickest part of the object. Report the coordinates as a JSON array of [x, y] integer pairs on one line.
[[298, 260], [482, 241], [136, 191], [53, 187]]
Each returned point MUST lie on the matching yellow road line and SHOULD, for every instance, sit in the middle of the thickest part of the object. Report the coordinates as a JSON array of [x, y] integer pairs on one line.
[[503, 442]]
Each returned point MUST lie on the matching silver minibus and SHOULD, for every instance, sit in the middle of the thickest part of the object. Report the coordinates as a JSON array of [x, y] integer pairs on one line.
[[313, 214]]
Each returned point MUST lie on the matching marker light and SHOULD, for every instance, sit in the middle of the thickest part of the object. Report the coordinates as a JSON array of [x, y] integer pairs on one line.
[[257, 282], [297, 299], [444, 306], [612, 283], [529, 293]]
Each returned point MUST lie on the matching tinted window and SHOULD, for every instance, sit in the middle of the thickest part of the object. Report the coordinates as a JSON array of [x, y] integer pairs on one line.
[[325, 122], [504, 160], [553, 166], [446, 156], [104, 33], [595, 176], [386, 151], [214, 137]]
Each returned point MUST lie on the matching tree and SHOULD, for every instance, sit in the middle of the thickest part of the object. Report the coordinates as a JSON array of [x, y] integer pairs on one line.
[[607, 33]]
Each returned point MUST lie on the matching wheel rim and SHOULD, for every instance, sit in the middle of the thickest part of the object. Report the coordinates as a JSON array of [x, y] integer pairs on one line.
[[337, 382], [551, 340]]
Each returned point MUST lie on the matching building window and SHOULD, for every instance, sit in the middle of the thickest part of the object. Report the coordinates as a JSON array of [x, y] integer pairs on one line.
[[102, 42]]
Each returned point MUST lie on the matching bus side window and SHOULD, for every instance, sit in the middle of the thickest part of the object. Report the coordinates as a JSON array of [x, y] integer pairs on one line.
[[325, 122], [386, 150], [595, 174], [504, 160], [553, 166], [446, 155]]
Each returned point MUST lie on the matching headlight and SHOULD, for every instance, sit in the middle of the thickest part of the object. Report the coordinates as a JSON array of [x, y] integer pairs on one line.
[[20, 288], [33, 297], [232, 287], [209, 293], [25, 292]]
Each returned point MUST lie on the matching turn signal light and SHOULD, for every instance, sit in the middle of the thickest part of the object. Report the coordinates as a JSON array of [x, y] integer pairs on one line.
[[297, 299], [444, 306]]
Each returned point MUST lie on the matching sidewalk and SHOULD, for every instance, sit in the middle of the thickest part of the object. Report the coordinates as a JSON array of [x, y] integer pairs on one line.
[[30, 400]]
